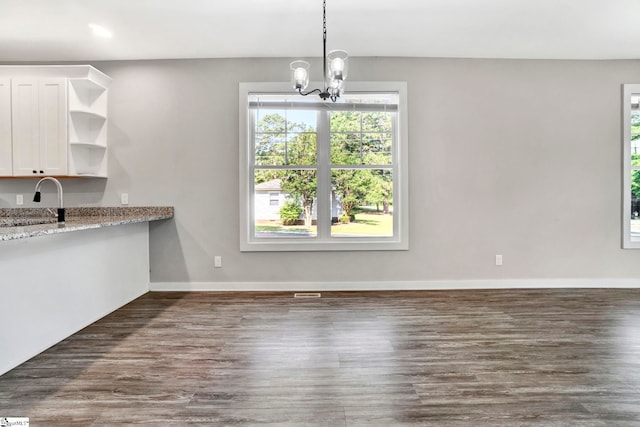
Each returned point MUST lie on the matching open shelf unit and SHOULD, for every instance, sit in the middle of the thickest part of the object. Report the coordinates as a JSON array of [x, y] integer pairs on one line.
[[87, 127]]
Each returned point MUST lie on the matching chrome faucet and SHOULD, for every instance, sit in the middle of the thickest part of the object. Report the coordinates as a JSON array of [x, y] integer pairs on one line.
[[36, 197]]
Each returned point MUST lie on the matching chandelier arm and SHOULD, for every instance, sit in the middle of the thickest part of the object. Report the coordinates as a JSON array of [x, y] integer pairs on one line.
[[308, 93]]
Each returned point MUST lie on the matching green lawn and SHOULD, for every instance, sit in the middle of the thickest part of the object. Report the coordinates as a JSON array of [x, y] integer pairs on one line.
[[366, 224], [301, 229], [369, 224]]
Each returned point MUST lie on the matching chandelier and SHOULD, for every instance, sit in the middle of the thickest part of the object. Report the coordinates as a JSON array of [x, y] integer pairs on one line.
[[334, 66]]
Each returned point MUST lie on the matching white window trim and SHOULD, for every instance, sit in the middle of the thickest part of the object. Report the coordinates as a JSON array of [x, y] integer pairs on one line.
[[400, 239], [627, 241]]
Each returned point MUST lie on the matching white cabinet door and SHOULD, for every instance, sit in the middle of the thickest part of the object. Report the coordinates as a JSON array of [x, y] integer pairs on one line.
[[53, 126], [6, 156], [39, 126], [26, 128]]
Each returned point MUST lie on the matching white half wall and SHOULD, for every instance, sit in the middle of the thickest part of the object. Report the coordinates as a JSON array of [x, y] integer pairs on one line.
[[53, 286]]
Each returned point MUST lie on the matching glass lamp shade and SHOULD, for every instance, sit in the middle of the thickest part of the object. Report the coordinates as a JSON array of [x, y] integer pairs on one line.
[[299, 74], [338, 65], [336, 88]]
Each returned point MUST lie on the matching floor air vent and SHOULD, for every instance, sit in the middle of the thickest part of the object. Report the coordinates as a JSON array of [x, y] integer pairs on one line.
[[307, 295]]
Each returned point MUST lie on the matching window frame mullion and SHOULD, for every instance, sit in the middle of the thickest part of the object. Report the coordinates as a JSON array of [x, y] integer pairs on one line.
[[323, 199], [251, 164]]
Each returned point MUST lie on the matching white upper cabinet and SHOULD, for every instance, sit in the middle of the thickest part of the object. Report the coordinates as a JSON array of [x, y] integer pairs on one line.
[[53, 126], [25, 126], [6, 155], [57, 119], [39, 126]]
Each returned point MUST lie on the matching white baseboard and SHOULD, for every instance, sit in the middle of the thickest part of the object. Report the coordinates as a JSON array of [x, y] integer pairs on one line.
[[395, 285]]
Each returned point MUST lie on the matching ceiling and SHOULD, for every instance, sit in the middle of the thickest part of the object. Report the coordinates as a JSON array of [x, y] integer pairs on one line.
[[57, 30]]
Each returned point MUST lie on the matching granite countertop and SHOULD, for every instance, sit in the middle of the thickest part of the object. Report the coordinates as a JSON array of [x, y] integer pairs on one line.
[[77, 219]]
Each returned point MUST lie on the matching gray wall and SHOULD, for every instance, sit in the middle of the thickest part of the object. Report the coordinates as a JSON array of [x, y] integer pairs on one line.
[[513, 157]]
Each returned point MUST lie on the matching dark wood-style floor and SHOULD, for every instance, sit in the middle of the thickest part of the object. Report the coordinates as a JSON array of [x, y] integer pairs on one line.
[[437, 358]]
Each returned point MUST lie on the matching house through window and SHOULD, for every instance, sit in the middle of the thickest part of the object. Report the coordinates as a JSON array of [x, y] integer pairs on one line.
[[323, 176]]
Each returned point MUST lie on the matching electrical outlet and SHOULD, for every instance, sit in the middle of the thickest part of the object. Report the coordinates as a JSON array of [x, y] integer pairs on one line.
[[125, 198], [498, 259], [217, 261], [19, 199]]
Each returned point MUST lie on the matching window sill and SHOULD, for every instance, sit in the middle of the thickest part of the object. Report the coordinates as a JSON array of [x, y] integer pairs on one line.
[[353, 244]]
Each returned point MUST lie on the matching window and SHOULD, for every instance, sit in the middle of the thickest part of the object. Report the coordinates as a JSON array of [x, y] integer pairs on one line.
[[631, 166], [339, 169]]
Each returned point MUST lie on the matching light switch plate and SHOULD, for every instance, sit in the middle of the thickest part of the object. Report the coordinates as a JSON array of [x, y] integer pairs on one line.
[[125, 198], [19, 199]]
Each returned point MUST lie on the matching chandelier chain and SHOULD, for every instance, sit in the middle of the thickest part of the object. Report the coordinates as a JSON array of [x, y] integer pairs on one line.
[[324, 45], [324, 19]]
